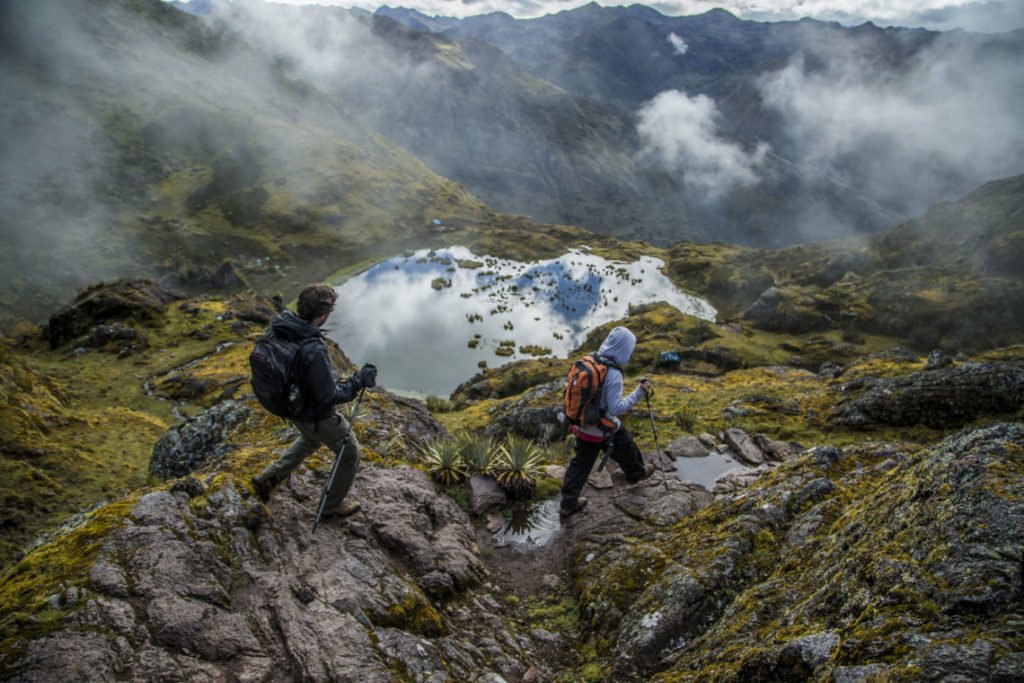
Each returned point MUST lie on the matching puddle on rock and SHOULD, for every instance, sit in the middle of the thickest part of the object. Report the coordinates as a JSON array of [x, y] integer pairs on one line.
[[705, 470], [429, 320], [531, 526]]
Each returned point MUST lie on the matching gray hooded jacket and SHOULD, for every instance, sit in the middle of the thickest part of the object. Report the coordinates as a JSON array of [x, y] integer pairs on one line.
[[618, 346]]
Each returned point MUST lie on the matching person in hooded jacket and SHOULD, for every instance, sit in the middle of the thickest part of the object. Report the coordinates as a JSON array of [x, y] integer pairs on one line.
[[617, 348], [318, 423]]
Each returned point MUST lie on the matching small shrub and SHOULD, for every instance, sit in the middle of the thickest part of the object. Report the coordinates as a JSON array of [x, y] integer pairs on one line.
[[519, 463], [444, 461], [477, 452], [436, 404]]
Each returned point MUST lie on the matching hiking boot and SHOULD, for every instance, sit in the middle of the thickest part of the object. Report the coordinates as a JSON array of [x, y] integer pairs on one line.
[[648, 471], [262, 487], [572, 508], [346, 509]]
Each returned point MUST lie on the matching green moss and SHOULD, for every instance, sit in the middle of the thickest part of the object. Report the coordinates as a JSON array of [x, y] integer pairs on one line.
[[52, 568], [415, 614]]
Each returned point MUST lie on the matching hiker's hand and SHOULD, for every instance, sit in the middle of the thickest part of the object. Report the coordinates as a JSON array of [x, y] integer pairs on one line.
[[368, 375], [645, 386]]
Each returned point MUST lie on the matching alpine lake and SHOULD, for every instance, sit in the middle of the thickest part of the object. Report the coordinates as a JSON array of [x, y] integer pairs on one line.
[[432, 319]]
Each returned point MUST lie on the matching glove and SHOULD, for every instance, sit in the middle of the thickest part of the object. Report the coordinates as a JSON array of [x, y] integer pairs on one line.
[[368, 375]]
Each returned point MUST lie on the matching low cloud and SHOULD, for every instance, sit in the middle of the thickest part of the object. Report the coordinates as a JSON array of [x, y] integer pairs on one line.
[[679, 45], [682, 134], [930, 131]]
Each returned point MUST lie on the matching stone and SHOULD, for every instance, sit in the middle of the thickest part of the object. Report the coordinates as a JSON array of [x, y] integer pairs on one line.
[[687, 447], [777, 451], [555, 471], [484, 494], [737, 479], [744, 447], [707, 440], [601, 480]]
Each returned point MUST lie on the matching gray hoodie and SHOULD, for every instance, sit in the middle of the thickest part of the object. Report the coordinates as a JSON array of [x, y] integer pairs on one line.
[[618, 346]]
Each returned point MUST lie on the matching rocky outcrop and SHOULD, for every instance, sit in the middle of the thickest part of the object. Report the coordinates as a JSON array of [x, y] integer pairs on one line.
[[231, 590], [525, 418], [944, 397], [840, 564], [185, 448], [119, 301], [786, 310]]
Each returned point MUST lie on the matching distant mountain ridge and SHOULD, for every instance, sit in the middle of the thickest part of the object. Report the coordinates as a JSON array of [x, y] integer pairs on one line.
[[799, 87]]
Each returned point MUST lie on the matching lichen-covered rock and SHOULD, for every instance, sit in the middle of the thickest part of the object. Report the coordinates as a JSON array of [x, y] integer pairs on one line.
[[186, 447], [942, 397], [839, 563]]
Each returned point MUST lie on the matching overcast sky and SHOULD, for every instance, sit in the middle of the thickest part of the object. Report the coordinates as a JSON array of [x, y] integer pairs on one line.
[[972, 15]]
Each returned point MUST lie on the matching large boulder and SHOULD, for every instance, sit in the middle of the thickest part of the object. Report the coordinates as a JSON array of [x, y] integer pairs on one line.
[[187, 447]]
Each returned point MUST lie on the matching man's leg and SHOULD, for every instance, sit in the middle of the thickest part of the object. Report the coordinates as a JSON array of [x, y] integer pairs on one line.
[[626, 454], [577, 473], [280, 469], [335, 429]]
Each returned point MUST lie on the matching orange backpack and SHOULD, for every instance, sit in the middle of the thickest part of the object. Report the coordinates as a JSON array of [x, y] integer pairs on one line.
[[582, 401]]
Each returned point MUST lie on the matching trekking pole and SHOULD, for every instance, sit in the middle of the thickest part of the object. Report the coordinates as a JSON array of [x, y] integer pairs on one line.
[[654, 431], [337, 461]]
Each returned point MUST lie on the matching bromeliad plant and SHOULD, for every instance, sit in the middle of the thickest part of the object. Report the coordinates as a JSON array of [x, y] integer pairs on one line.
[[477, 452], [443, 459], [519, 463]]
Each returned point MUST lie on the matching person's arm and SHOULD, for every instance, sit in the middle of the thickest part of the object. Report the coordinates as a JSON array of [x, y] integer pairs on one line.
[[365, 378], [611, 394]]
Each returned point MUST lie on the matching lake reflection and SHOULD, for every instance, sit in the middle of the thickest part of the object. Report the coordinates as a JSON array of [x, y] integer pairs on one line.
[[427, 320]]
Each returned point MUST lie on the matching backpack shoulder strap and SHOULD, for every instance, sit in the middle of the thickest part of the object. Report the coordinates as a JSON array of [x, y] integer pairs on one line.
[[605, 360]]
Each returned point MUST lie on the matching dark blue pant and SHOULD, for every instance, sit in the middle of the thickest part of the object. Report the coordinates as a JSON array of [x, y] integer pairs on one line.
[[624, 452]]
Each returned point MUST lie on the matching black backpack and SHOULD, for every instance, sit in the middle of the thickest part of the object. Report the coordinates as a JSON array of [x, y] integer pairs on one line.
[[276, 374]]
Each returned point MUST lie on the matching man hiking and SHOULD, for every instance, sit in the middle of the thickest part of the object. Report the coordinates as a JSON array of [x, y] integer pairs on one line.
[[591, 442], [317, 420]]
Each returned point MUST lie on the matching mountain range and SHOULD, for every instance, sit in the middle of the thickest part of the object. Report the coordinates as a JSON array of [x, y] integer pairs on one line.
[[137, 135]]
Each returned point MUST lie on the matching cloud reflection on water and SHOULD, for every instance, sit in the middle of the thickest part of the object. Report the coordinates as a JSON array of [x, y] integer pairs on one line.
[[394, 315]]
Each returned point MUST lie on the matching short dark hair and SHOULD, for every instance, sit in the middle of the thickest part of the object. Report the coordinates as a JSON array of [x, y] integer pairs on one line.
[[316, 300]]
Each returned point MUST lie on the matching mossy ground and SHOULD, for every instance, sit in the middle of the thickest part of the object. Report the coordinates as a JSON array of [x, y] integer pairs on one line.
[[79, 428]]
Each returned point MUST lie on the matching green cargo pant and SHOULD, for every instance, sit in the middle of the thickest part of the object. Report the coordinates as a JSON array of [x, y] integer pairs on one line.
[[330, 432]]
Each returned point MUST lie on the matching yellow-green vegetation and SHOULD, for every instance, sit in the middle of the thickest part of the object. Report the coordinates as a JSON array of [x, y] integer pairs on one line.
[[416, 614], [30, 590], [78, 428]]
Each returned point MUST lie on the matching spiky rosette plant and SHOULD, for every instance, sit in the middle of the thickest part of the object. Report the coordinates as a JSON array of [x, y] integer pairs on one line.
[[443, 459], [519, 463], [478, 452]]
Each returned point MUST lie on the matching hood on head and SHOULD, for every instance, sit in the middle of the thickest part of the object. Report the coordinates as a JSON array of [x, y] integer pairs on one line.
[[619, 345], [291, 326]]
